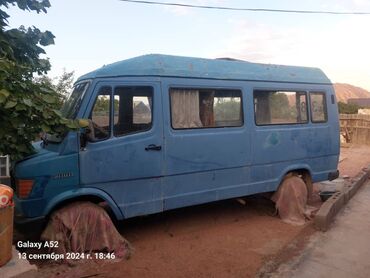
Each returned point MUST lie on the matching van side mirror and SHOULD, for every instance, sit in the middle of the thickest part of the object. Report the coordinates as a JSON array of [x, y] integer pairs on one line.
[[83, 123], [87, 135]]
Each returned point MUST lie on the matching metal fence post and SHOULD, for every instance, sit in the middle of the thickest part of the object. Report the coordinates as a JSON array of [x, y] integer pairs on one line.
[[7, 166], [4, 165]]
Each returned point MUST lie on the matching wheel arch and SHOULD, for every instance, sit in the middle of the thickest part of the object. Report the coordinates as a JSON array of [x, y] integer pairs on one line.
[[303, 172], [85, 194]]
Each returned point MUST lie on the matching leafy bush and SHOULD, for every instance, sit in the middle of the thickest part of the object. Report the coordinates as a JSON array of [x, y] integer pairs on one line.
[[27, 107]]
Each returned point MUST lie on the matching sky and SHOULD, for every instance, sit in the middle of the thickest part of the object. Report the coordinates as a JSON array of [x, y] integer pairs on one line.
[[93, 33]]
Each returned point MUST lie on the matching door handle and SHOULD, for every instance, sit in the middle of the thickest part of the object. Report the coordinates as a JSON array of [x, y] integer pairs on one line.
[[153, 147]]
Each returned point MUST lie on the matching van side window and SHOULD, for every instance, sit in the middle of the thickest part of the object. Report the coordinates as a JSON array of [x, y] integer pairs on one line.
[[100, 115], [280, 107], [133, 109], [318, 107], [205, 108]]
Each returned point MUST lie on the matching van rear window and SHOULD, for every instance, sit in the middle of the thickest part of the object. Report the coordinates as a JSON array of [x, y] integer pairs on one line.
[[318, 107], [205, 108], [280, 107]]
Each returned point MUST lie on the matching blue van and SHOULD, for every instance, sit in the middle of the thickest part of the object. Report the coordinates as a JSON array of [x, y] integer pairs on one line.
[[168, 132]]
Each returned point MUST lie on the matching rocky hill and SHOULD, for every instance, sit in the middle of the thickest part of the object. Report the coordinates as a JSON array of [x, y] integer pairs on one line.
[[347, 91]]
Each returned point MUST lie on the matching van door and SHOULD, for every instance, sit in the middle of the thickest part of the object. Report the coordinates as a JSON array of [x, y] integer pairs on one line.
[[123, 156], [207, 144]]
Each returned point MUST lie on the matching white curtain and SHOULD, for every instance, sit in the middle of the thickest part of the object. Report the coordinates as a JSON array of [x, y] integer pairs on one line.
[[185, 109]]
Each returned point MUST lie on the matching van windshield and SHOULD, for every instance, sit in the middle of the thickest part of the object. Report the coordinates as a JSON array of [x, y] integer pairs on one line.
[[71, 106]]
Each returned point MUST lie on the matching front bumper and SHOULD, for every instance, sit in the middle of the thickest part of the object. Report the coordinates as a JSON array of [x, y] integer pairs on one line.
[[27, 225]]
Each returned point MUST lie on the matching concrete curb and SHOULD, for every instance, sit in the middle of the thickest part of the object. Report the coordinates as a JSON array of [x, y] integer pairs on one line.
[[329, 209]]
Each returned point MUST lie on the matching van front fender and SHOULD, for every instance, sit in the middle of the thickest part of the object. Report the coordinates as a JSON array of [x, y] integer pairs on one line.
[[74, 194]]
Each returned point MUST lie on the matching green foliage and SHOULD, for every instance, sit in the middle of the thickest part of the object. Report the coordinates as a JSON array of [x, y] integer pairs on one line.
[[347, 108], [27, 107], [62, 85], [101, 106], [227, 109]]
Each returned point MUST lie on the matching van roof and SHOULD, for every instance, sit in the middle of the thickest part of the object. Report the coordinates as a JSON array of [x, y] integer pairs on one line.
[[226, 69]]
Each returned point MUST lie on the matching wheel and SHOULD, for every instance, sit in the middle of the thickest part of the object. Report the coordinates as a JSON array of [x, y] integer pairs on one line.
[[291, 200]]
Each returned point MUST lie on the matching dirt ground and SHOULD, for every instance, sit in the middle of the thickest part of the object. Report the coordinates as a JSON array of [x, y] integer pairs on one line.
[[222, 239], [353, 158]]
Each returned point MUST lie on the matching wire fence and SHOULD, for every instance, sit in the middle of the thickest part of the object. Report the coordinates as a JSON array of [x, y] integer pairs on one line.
[[355, 128]]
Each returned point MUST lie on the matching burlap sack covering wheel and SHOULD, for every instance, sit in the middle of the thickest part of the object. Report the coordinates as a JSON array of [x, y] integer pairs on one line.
[[291, 201], [85, 227]]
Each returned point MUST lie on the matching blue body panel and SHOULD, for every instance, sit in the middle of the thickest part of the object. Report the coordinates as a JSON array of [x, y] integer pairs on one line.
[[187, 67], [194, 166]]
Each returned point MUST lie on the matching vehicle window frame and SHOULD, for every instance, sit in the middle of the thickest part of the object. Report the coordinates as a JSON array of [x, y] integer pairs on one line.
[[110, 112], [151, 110], [325, 107], [81, 99], [200, 88], [303, 92]]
